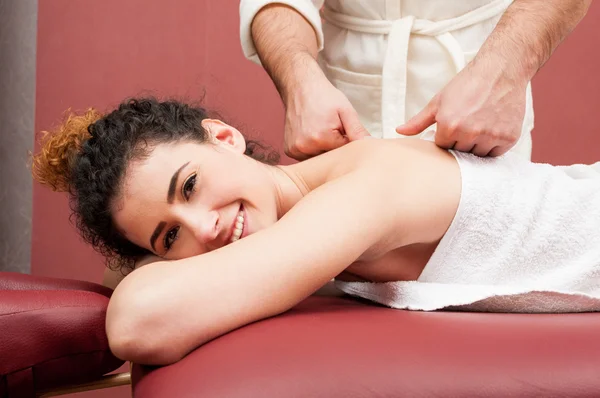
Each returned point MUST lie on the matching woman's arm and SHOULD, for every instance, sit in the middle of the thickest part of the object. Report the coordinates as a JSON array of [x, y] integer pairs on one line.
[[162, 311], [113, 277]]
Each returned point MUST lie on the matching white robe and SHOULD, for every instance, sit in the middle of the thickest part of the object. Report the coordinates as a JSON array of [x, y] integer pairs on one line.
[[390, 57]]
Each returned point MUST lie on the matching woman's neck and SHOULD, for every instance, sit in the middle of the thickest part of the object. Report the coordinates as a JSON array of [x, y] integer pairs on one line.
[[289, 185]]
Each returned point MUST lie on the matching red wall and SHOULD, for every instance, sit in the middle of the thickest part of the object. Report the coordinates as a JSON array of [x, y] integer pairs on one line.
[[97, 52], [566, 98]]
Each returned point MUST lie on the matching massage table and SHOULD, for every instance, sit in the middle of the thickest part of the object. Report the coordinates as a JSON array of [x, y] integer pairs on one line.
[[53, 342]]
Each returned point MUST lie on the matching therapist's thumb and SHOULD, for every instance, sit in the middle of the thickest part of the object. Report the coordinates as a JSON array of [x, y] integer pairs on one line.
[[418, 123], [353, 128]]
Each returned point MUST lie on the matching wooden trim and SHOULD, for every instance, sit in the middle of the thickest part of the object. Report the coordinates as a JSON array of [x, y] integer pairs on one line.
[[120, 379]]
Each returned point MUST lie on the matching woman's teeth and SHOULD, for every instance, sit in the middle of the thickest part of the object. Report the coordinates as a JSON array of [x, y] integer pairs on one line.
[[239, 227]]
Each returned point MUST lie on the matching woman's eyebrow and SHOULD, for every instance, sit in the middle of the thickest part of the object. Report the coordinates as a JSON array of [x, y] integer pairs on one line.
[[173, 184], [156, 233]]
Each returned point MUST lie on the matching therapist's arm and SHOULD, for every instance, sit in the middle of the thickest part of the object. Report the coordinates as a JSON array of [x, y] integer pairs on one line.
[[529, 32], [318, 116], [286, 43], [481, 110]]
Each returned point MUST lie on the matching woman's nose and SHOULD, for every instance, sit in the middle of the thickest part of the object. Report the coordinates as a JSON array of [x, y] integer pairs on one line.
[[206, 227]]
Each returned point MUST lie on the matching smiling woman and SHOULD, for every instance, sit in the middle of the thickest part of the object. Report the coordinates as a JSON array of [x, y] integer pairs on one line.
[[104, 162], [161, 188]]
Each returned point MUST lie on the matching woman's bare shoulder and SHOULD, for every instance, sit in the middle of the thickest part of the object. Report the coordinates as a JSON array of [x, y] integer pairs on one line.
[[373, 153], [416, 176]]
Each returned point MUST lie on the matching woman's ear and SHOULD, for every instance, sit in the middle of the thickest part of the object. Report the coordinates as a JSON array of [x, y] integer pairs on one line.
[[225, 135]]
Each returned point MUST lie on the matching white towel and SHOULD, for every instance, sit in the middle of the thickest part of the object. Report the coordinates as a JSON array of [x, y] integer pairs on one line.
[[526, 238]]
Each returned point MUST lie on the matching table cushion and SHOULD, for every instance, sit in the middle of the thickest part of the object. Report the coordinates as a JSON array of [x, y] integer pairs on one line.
[[51, 334], [19, 281], [341, 347]]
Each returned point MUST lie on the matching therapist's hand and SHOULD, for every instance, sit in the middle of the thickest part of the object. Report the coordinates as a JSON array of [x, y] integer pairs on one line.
[[480, 111], [318, 118]]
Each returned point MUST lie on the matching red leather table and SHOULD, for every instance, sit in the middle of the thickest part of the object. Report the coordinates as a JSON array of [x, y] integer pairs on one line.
[[340, 347], [52, 334]]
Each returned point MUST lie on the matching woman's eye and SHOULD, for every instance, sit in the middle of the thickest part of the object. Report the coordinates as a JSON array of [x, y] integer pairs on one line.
[[189, 186], [170, 237]]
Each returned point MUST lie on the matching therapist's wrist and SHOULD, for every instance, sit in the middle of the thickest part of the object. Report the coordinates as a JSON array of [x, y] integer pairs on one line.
[[302, 74], [495, 67]]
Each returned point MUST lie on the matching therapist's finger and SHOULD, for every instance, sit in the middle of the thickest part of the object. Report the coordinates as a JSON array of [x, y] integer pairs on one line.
[[418, 123], [332, 140], [499, 150], [444, 137], [483, 148], [464, 146], [308, 145], [353, 128]]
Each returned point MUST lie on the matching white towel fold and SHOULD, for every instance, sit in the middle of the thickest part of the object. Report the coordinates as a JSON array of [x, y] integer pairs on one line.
[[526, 238]]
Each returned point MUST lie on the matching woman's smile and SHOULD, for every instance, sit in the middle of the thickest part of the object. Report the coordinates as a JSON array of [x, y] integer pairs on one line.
[[238, 227]]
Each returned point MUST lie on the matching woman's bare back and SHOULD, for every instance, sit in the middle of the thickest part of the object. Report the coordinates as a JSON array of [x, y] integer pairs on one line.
[[400, 264]]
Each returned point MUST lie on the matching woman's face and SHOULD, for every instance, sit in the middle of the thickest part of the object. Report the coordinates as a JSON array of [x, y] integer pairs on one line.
[[186, 198]]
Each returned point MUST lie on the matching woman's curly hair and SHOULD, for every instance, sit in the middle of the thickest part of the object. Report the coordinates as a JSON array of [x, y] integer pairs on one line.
[[88, 154]]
